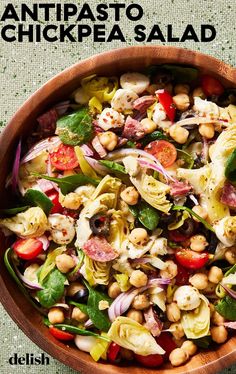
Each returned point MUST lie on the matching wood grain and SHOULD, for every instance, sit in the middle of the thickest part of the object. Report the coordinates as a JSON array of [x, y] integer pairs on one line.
[[58, 88]]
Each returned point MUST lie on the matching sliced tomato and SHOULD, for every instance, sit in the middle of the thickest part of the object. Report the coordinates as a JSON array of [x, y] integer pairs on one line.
[[182, 276], [190, 259], [167, 343], [64, 158], [177, 236], [60, 335], [53, 195], [113, 351], [164, 151], [211, 86], [167, 102], [150, 361], [28, 249]]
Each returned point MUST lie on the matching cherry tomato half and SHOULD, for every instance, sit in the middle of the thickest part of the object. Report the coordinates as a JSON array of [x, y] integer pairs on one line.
[[166, 101], [64, 158], [150, 361], [167, 343], [190, 259], [164, 152], [60, 335], [53, 195], [211, 86], [113, 351], [28, 249], [176, 236]]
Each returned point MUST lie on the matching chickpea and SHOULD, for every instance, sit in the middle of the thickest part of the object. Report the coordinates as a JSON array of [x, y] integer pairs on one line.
[[198, 209], [108, 140], [64, 263], [199, 281], [217, 319], [114, 290], [210, 288], [130, 195], [173, 312], [126, 354], [141, 302], [70, 201], [199, 92], [198, 243], [212, 309], [178, 357], [189, 347], [215, 274], [138, 278], [136, 315], [207, 130], [138, 236], [148, 125], [181, 101], [56, 315], [78, 315], [230, 255], [179, 134], [170, 271], [177, 330], [73, 288], [219, 334], [182, 89]]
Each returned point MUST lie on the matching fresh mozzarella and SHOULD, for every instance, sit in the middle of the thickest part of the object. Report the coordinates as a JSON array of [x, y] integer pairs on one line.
[[134, 81], [110, 118], [61, 228], [187, 298], [123, 100]]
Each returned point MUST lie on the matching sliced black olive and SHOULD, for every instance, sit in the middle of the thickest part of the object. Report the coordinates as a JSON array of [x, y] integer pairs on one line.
[[212, 243], [168, 218], [81, 296], [162, 76], [188, 227], [100, 224]]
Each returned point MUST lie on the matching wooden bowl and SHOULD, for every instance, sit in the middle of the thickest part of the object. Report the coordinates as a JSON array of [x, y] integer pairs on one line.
[[58, 88]]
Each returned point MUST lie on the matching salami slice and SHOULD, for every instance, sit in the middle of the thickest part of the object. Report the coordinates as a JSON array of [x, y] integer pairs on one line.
[[98, 249], [143, 103], [179, 188], [133, 129], [47, 122], [228, 196]]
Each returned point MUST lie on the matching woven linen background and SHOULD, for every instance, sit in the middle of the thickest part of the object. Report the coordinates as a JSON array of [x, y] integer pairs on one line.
[[24, 67]]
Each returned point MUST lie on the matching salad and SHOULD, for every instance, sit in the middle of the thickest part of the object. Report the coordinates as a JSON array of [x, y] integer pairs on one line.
[[122, 224]]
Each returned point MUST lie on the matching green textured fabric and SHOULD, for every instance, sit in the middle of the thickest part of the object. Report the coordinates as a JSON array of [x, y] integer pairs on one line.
[[24, 67]]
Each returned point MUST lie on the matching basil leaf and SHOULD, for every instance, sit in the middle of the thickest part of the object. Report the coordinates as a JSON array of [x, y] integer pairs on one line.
[[181, 74], [155, 135], [98, 317], [53, 289], [82, 307], [75, 128], [37, 198], [148, 216], [69, 184], [115, 166], [205, 223], [230, 168], [186, 158], [226, 307], [203, 342], [13, 211]]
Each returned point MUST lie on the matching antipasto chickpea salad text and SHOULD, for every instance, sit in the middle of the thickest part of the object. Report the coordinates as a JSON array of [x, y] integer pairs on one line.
[[123, 230]]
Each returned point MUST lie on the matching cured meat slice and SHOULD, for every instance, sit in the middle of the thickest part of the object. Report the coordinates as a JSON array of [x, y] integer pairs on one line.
[[153, 324], [143, 103], [179, 188], [98, 249], [228, 196], [47, 122], [133, 129]]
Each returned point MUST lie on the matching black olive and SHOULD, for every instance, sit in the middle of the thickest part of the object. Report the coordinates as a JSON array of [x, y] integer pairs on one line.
[[100, 224], [162, 76], [188, 227], [168, 218], [213, 242], [81, 296]]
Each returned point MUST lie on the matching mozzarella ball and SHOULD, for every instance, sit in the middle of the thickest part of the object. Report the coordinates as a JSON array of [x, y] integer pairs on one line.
[[123, 100], [61, 228], [225, 231], [187, 298], [85, 343], [110, 118], [136, 82], [159, 114]]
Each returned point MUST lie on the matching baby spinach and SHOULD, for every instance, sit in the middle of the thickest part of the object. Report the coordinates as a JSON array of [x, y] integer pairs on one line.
[[75, 128], [49, 264], [98, 317], [70, 183], [53, 289], [37, 198], [203, 342], [146, 214], [230, 168], [181, 74], [115, 166], [155, 135], [13, 211], [226, 307], [186, 158], [82, 307]]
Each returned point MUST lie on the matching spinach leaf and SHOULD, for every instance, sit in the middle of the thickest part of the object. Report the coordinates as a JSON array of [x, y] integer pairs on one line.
[[82, 307], [53, 289], [13, 211], [226, 307], [181, 74], [134, 210], [37, 198], [131, 144], [186, 158], [98, 317], [69, 184], [230, 168], [114, 166], [148, 216], [75, 128], [155, 135], [49, 264], [205, 223], [203, 342]]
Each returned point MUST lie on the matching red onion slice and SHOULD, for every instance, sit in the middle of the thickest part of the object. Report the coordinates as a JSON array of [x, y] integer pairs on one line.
[[199, 120], [98, 147], [16, 166], [62, 107], [229, 291], [46, 144], [44, 240], [156, 167], [100, 169], [86, 150], [88, 323], [231, 325], [28, 283]]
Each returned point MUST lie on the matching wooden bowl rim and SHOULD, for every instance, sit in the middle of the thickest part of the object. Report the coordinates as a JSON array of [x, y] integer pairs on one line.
[[58, 350]]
